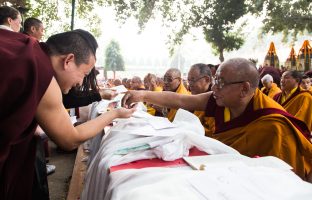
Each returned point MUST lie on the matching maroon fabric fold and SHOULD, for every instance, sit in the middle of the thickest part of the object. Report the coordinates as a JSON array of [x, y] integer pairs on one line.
[[278, 97], [25, 74], [248, 116]]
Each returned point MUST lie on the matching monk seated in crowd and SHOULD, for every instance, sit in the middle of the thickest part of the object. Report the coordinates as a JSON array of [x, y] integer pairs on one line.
[[245, 118], [173, 82], [151, 84], [306, 83], [270, 88], [200, 81], [294, 99]]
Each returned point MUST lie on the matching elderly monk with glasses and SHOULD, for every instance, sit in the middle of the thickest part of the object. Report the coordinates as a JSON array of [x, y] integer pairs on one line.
[[173, 83], [246, 119], [200, 81]]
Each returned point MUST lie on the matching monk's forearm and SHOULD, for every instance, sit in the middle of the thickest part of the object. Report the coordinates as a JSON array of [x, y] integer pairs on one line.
[[164, 99], [71, 137], [77, 135], [91, 128]]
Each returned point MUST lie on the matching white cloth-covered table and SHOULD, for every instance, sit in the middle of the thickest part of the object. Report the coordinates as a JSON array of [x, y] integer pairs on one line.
[[93, 145], [238, 182], [147, 137]]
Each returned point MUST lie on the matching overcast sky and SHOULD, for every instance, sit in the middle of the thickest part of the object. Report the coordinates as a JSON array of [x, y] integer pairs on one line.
[[151, 42]]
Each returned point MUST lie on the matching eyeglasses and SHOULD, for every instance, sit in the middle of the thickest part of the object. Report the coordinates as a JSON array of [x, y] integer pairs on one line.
[[220, 83], [192, 81], [169, 80]]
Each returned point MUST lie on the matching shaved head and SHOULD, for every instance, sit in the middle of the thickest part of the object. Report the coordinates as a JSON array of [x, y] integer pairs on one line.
[[174, 72], [136, 83], [152, 77], [136, 79], [203, 69], [241, 69], [172, 79]]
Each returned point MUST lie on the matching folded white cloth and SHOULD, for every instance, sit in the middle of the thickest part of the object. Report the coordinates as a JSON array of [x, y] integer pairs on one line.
[[119, 147]]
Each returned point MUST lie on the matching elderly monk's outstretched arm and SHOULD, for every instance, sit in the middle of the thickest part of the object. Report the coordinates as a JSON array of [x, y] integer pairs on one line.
[[167, 99]]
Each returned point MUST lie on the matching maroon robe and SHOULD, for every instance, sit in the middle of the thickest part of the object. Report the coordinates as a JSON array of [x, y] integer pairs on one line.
[[25, 74], [249, 115], [265, 129]]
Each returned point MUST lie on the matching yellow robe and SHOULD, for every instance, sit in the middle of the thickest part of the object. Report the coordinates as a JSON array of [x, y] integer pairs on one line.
[[150, 109], [158, 89], [207, 122], [273, 91], [181, 90], [270, 134], [299, 104]]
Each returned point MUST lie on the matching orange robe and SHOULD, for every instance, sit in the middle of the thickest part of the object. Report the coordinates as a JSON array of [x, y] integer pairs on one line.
[[299, 104], [181, 90], [272, 92], [207, 122], [150, 109], [265, 129], [141, 88]]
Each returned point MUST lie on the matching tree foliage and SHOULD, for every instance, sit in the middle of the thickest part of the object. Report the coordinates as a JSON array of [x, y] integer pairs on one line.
[[113, 58], [215, 18], [291, 17], [46, 11], [219, 25], [56, 14], [15, 3]]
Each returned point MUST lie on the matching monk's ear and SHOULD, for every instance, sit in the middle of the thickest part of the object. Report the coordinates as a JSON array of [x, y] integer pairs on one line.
[[246, 87], [69, 61], [9, 20], [208, 79], [33, 29], [153, 81]]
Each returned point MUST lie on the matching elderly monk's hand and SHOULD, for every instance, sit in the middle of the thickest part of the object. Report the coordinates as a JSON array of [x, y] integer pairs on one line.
[[131, 97], [124, 112], [108, 94]]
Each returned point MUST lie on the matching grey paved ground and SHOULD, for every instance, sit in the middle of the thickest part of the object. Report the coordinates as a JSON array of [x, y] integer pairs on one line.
[[60, 180]]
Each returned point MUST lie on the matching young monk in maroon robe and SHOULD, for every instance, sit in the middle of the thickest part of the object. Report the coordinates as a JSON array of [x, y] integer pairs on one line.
[[245, 119], [33, 77]]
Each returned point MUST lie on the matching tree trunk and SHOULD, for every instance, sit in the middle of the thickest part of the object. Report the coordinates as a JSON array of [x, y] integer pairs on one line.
[[105, 73], [114, 72], [72, 24], [221, 57]]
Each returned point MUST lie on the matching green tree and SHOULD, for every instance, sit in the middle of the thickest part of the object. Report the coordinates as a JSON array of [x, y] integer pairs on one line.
[[215, 18], [56, 14], [113, 58], [289, 17], [46, 11], [218, 26], [15, 3]]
